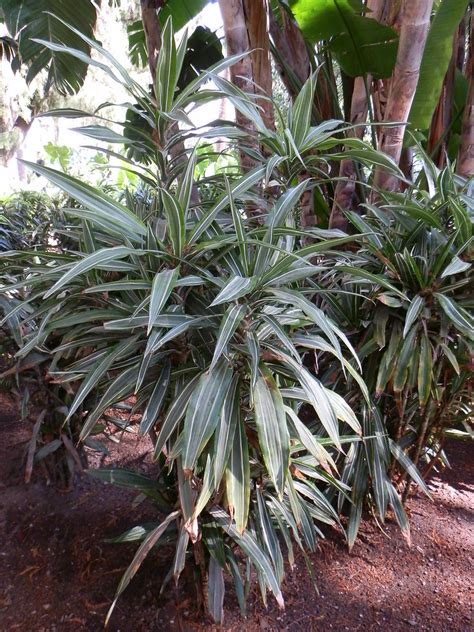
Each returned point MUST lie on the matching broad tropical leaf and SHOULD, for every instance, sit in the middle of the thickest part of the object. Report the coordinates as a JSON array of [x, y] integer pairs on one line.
[[28, 20]]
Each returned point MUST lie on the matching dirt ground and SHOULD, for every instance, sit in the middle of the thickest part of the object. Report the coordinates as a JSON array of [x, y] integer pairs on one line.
[[58, 573]]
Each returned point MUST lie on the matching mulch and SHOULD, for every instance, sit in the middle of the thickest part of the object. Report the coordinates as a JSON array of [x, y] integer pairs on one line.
[[58, 572]]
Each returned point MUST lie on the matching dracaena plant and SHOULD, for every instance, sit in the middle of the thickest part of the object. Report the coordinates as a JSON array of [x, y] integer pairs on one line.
[[404, 300], [196, 312]]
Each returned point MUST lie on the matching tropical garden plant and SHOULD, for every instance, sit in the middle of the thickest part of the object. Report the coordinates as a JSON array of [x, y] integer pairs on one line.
[[199, 309], [287, 372]]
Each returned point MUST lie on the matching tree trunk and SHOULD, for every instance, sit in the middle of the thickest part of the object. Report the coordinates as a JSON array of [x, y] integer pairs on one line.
[[290, 52], [237, 41], [256, 20], [152, 29], [465, 163], [415, 22], [345, 188]]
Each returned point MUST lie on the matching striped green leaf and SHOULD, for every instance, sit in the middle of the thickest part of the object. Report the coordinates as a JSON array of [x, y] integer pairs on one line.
[[403, 361], [163, 284], [224, 435], [93, 377], [240, 186], [376, 279], [174, 415], [398, 510], [145, 547], [166, 71], [408, 465], [461, 320], [176, 224], [103, 207], [236, 288], [272, 429], [203, 411], [456, 266], [251, 547], [425, 366], [238, 477], [239, 229], [412, 313], [120, 388], [187, 181], [216, 590], [269, 535], [90, 262], [229, 324], [302, 111], [309, 441]]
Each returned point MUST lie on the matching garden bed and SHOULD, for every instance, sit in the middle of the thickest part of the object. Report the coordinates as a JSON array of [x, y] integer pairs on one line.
[[58, 573]]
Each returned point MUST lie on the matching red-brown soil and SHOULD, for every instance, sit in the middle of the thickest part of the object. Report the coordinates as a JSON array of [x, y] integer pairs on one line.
[[59, 574]]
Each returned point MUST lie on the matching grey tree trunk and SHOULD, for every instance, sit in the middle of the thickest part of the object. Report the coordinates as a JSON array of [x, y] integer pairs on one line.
[[415, 22]]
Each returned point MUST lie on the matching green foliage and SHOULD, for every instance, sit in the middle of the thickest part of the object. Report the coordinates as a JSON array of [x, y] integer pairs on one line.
[[192, 306], [413, 333], [436, 57], [180, 11], [31, 21], [360, 44], [28, 219], [197, 302]]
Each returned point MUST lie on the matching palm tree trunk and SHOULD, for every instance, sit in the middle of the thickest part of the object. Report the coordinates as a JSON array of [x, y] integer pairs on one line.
[[415, 22], [465, 163]]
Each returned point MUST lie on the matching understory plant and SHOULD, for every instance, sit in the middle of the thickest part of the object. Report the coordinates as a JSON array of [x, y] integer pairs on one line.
[[404, 299], [200, 304]]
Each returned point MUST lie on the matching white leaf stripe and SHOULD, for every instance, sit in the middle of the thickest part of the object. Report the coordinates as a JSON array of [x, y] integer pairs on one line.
[[272, 429], [412, 313], [342, 410], [186, 184], [121, 386], [240, 186], [316, 395], [180, 329], [239, 227], [234, 289], [89, 263], [176, 222], [203, 411], [230, 322], [238, 478], [93, 377], [216, 590], [94, 200], [309, 440], [145, 547], [224, 436], [312, 312], [163, 284]]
